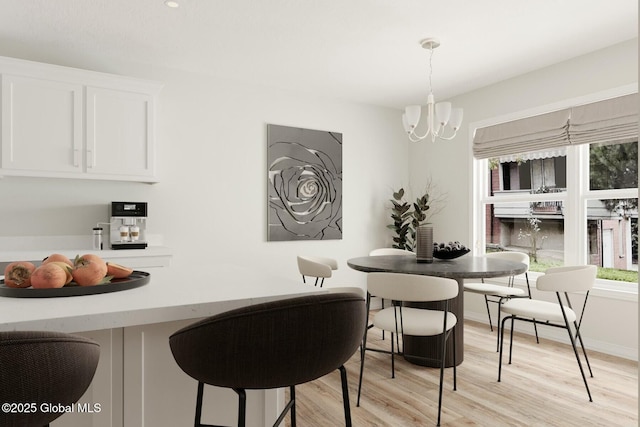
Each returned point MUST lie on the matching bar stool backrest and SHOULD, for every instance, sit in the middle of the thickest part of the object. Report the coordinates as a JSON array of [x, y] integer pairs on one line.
[[43, 368], [275, 344]]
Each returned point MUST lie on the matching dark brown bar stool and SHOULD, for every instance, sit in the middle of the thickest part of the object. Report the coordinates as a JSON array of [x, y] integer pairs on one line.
[[271, 345], [39, 369]]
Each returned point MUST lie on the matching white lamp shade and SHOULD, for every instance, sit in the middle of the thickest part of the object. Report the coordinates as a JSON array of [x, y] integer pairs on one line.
[[443, 111], [412, 115], [456, 118], [406, 126]]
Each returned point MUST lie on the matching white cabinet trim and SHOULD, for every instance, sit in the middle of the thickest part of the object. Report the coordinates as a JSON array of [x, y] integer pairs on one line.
[[85, 85]]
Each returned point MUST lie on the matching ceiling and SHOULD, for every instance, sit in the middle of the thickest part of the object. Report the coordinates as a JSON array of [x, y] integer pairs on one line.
[[359, 50]]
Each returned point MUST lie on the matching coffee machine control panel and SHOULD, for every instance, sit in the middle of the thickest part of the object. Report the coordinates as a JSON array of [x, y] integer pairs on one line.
[[124, 209], [128, 225]]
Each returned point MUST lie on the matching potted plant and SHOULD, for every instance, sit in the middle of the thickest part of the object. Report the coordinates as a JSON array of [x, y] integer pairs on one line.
[[408, 217], [401, 215]]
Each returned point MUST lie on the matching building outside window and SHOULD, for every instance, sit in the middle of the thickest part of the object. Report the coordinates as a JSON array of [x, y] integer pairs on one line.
[[537, 227], [571, 204]]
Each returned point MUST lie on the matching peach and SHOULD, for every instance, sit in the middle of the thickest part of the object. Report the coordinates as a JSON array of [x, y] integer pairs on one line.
[[18, 274], [67, 269], [48, 275], [56, 258], [118, 271], [89, 270]]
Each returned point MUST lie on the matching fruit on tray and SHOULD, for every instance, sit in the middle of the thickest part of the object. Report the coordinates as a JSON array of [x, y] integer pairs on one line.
[[450, 250], [18, 274], [49, 275], [449, 247], [58, 258], [67, 269], [89, 270], [57, 271], [118, 271]]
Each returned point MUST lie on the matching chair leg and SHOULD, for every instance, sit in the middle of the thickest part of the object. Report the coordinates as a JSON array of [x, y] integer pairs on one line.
[[345, 396], [535, 325], [290, 406], [393, 360], [363, 350], [292, 394], [513, 318], [455, 361], [382, 307], [198, 418], [584, 351], [498, 328], [360, 379], [242, 407], [575, 351], [486, 301], [501, 340], [443, 357]]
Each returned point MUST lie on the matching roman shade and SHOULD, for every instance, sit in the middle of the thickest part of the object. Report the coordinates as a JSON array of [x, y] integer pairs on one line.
[[614, 119]]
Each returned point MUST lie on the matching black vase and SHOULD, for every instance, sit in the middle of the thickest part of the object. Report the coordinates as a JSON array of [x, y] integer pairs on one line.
[[424, 244]]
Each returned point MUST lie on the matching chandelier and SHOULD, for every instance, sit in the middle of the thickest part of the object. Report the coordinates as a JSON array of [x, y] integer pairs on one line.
[[440, 116]]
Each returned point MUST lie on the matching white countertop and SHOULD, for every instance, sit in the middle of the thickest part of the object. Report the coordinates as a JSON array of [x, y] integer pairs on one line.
[[7, 256], [170, 295]]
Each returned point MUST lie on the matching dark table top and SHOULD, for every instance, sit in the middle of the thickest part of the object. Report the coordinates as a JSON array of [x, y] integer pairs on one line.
[[465, 267]]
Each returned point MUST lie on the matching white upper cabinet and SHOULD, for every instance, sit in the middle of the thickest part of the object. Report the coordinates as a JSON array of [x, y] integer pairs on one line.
[[69, 123], [41, 125], [119, 136]]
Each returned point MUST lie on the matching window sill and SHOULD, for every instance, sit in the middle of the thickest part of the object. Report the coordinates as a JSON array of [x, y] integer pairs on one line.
[[610, 289]]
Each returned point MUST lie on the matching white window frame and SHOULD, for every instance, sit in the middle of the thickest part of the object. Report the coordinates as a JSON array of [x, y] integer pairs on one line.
[[574, 202]]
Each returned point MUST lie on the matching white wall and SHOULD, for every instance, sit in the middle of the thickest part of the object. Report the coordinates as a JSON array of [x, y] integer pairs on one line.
[[210, 205], [449, 163]]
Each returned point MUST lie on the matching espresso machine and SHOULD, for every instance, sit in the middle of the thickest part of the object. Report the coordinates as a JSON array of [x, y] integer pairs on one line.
[[128, 225]]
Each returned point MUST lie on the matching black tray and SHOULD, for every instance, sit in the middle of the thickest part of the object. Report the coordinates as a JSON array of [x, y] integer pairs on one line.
[[136, 279], [450, 254]]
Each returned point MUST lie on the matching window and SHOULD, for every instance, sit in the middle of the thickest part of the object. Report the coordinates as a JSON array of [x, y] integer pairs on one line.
[[519, 219], [564, 204]]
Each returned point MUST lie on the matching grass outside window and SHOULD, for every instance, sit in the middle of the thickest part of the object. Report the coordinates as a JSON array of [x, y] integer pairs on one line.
[[603, 273]]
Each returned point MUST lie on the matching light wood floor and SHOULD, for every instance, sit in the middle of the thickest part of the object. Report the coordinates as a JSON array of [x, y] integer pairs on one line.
[[542, 387]]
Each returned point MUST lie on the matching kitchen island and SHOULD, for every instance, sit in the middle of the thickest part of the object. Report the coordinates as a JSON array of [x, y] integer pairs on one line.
[[137, 382]]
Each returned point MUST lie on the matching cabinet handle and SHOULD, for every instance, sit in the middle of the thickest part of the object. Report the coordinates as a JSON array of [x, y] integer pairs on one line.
[[89, 158], [76, 157]]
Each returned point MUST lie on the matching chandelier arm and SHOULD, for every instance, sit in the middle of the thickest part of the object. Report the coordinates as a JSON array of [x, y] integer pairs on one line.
[[415, 138], [448, 138], [420, 137]]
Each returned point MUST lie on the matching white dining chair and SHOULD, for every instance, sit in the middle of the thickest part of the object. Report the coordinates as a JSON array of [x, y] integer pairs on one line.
[[384, 252], [398, 319], [562, 281], [498, 294], [317, 267]]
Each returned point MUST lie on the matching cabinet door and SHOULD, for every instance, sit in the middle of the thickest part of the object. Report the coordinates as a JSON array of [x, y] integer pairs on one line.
[[119, 133], [102, 404], [158, 393], [41, 126]]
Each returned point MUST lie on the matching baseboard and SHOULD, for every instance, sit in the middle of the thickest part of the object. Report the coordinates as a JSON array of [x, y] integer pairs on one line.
[[560, 335]]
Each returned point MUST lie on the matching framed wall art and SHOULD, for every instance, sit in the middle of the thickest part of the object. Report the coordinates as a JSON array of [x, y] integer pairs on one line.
[[305, 184]]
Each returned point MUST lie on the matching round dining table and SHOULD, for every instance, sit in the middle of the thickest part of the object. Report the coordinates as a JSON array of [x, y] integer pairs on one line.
[[426, 351]]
